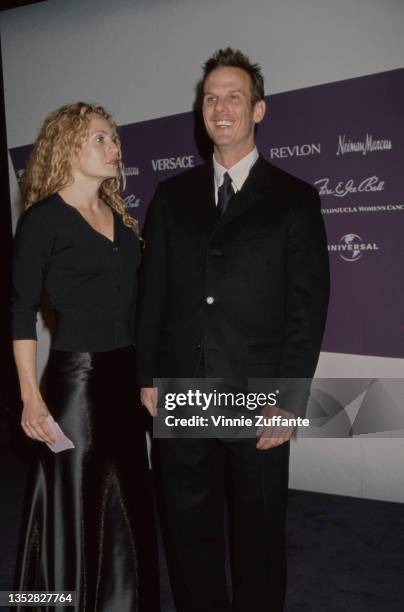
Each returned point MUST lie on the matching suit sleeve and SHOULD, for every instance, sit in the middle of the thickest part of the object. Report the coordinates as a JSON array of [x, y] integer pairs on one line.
[[152, 293], [32, 252], [307, 301]]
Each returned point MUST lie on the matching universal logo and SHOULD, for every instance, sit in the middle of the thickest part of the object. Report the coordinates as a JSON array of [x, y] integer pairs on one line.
[[20, 175], [369, 145], [351, 247], [172, 163], [295, 151]]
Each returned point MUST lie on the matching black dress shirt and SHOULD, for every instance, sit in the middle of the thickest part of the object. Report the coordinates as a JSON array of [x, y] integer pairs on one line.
[[90, 280]]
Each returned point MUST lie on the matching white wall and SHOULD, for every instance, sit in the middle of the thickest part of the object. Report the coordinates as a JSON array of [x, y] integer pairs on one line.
[[142, 59]]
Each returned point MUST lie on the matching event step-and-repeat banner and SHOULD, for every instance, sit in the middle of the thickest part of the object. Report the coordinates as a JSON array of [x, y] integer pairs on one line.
[[345, 138]]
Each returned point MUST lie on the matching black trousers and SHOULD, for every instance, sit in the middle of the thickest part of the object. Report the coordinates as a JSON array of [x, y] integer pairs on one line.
[[196, 475]]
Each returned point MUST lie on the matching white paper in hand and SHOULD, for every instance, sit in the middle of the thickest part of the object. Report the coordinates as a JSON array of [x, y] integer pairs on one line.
[[61, 442]]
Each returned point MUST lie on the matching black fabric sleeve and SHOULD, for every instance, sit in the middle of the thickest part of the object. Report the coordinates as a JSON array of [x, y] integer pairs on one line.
[[307, 290], [32, 251], [152, 293], [307, 303]]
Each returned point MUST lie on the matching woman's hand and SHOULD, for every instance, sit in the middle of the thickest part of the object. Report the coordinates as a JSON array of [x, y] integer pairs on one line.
[[33, 420]]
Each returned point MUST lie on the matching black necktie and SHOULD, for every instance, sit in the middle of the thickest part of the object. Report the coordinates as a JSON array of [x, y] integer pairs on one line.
[[224, 194]]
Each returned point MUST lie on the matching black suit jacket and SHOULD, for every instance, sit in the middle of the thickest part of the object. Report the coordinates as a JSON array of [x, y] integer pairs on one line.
[[264, 264]]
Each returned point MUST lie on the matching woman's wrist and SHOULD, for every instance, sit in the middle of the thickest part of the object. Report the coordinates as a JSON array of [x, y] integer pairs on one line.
[[31, 394]]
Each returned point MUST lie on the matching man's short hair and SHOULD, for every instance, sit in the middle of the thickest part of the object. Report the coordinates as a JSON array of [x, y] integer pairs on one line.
[[233, 58]]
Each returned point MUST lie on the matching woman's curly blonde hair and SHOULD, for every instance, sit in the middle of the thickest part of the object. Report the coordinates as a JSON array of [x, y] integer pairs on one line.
[[60, 138]]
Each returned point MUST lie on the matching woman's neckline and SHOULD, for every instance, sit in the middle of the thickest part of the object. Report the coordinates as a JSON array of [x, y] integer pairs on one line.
[[91, 227]]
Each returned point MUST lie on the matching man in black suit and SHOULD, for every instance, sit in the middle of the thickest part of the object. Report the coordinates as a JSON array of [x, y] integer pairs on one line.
[[234, 284]]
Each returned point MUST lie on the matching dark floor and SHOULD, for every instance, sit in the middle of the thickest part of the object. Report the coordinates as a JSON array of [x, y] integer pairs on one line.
[[345, 554]]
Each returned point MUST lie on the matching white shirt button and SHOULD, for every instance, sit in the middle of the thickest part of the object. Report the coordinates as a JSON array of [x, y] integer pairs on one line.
[[210, 300]]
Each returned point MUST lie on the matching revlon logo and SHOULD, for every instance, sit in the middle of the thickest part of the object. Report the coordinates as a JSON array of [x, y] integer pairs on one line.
[[295, 151]]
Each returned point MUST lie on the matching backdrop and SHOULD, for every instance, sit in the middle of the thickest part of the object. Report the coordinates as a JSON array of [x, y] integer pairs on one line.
[[352, 152]]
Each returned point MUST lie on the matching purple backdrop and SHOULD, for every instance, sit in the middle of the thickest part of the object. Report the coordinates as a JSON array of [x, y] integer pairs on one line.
[[346, 138]]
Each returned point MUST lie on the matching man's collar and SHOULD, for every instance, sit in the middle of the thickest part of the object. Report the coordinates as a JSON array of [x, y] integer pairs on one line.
[[239, 172]]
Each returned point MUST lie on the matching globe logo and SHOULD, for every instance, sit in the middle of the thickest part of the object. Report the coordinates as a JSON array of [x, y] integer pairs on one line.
[[352, 246], [20, 175]]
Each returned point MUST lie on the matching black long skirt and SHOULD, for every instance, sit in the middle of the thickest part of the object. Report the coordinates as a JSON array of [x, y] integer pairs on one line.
[[90, 522]]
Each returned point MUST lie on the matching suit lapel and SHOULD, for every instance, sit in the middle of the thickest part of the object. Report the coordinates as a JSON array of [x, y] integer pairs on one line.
[[256, 187], [204, 211]]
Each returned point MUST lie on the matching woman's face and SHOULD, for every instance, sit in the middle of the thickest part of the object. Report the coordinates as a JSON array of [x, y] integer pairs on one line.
[[98, 156]]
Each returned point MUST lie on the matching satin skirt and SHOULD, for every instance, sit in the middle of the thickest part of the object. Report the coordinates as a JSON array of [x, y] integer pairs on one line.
[[89, 524]]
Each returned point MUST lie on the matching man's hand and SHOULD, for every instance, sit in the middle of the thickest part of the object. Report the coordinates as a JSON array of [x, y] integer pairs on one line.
[[148, 397], [274, 435]]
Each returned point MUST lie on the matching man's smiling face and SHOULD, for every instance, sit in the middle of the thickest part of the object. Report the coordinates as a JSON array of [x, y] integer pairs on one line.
[[228, 112]]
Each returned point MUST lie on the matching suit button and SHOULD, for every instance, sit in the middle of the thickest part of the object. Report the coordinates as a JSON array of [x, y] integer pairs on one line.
[[197, 347], [216, 252], [210, 300], [115, 249]]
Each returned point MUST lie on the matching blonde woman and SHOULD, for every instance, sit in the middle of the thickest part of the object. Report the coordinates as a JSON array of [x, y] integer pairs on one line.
[[90, 525]]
